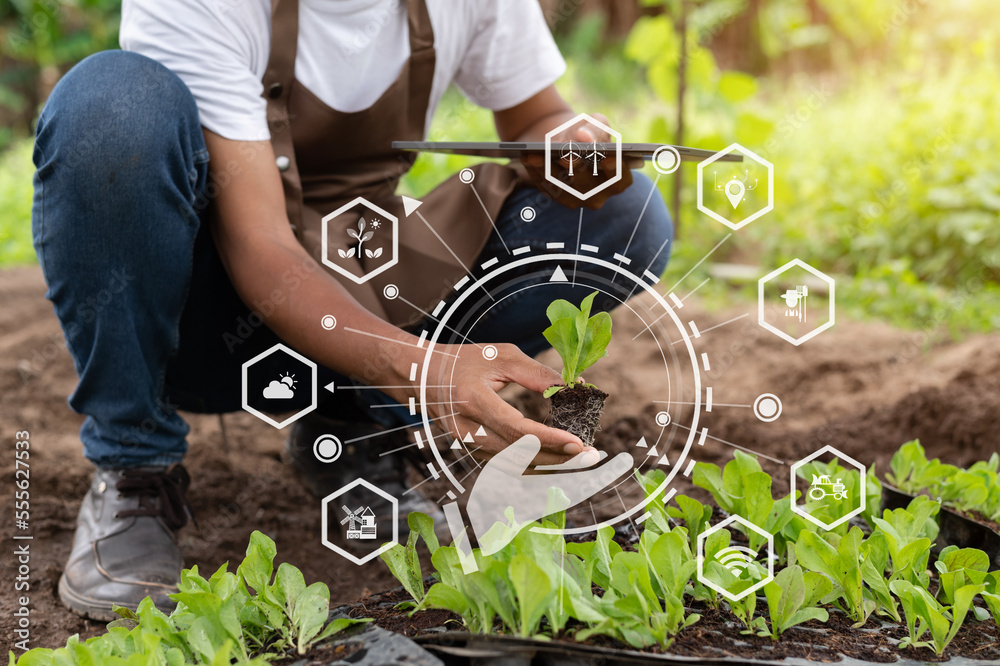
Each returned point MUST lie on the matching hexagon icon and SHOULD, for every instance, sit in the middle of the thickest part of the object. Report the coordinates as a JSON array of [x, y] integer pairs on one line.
[[274, 384], [700, 557], [787, 312], [359, 526], [735, 189], [823, 486], [344, 247], [578, 153]]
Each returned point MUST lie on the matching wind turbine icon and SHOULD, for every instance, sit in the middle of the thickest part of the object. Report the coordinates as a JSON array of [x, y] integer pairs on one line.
[[595, 156], [570, 155]]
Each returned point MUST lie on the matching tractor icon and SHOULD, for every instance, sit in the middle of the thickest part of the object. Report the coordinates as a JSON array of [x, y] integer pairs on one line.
[[817, 491]]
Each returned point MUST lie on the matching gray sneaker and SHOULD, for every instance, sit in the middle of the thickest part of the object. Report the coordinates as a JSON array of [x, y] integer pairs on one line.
[[125, 548]]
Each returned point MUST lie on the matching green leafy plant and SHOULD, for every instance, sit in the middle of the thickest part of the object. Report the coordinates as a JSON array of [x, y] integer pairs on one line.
[[579, 338], [975, 490], [925, 615], [242, 618], [695, 514], [958, 567], [793, 597], [909, 534], [743, 488], [404, 561], [991, 594], [837, 557]]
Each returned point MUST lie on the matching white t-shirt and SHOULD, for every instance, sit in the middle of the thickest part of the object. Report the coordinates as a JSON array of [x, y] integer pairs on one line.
[[349, 52]]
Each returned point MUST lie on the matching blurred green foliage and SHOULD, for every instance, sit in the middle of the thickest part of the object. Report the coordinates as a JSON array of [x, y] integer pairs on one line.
[[15, 205], [41, 38], [879, 116]]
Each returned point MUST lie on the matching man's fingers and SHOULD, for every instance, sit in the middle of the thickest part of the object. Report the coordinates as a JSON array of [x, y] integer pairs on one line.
[[486, 447], [525, 371]]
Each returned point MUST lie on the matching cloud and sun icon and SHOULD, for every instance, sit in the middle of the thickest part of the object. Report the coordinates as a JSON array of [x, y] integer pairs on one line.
[[283, 387]]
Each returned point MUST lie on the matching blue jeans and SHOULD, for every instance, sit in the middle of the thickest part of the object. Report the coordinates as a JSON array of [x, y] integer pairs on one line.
[[139, 289]]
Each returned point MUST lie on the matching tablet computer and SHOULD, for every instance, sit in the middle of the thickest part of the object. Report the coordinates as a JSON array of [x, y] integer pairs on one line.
[[514, 149]]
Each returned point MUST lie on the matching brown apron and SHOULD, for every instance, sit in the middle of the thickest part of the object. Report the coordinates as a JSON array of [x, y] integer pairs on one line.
[[327, 158]]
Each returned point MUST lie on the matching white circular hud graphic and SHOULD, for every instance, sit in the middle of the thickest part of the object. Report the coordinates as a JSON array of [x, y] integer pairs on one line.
[[509, 277]]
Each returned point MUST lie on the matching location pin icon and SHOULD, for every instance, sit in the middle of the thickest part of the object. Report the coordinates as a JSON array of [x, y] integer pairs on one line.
[[735, 190]]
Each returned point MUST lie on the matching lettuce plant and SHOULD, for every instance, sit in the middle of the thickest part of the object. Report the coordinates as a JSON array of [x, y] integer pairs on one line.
[[404, 562], [991, 595], [793, 598], [925, 615], [579, 338], [975, 490], [838, 560], [743, 488], [243, 618], [908, 535], [958, 567]]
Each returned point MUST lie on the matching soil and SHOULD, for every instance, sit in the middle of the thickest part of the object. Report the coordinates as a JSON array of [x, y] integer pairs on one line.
[[323, 654], [578, 410], [864, 388]]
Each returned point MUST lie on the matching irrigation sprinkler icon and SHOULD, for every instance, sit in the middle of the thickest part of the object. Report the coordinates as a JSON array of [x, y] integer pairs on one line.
[[794, 297]]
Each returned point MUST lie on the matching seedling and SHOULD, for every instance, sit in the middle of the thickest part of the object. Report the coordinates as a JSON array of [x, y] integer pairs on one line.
[[581, 340]]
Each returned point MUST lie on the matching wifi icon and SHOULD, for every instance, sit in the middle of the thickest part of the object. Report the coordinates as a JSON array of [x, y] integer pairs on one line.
[[736, 558]]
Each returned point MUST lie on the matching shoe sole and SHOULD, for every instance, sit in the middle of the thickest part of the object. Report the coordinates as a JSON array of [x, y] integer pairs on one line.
[[92, 609]]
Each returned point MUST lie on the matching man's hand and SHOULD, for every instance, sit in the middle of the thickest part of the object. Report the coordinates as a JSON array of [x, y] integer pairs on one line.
[[462, 396], [533, 118]]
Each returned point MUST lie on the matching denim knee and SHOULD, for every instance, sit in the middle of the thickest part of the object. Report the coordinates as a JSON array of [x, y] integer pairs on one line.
[[111, 116], [648, 239]]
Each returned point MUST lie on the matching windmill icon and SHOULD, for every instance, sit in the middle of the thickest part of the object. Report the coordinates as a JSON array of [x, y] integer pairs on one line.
[[570, 155], [361, 523], [595, 156]]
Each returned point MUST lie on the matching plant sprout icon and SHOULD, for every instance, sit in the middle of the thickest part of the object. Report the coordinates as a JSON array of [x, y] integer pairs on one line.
[[736, 188], [361, 236]]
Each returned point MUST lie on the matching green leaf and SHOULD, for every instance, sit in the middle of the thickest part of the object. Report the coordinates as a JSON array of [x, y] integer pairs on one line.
[[404, 564], [579, 339], [308, 612], [533, 589], [442, 595], [596, 341], [339, 625], [258, 565]]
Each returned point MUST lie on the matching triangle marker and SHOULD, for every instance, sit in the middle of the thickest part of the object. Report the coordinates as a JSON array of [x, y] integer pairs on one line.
[[410, 205], [558, 275], [663, 461], [481, 432], [642, 443], [329, 387], [456, 445], [652, 453], [468, 438]]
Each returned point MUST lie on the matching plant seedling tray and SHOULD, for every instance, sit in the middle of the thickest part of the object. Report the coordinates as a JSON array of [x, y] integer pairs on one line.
[[718, 641], [462, 649], [955, 528]]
